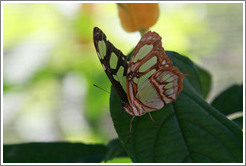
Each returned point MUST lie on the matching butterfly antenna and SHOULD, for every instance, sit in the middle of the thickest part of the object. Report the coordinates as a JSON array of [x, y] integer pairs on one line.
[[100, 88]]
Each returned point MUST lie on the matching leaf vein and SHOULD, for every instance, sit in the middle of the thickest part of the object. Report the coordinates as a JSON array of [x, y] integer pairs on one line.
[[158, 133]]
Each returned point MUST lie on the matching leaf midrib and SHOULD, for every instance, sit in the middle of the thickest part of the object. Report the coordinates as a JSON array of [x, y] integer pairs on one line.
[[212, 116], [229, 130], [181, 131]]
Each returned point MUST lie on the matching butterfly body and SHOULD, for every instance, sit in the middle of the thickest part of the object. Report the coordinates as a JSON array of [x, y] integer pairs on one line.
[[147, 80]]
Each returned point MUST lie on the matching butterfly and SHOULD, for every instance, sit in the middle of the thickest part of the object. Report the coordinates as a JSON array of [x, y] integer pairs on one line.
[[146, 81]]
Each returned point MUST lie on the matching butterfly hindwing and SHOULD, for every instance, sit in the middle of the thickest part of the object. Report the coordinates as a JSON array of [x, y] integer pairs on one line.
[[114, 62], [168, 82]]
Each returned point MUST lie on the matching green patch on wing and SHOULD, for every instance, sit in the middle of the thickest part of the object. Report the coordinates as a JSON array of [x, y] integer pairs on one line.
[[151, 62], [165, 76], [169, 85], [145, 77], [135, 79], [149, 96], [143, 51], [148, 92], [115, 77], [169, 91], [120, 77], [170, 79], [113, 61], [102, 48]]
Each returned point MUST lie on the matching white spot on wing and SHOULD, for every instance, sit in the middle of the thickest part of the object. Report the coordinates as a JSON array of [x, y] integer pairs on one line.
[[135, 110], [149, 37], [169, 92], [143, 39], [128, 70]]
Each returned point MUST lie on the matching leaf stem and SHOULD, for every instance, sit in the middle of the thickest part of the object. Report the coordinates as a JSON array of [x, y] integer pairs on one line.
[[142, 32]]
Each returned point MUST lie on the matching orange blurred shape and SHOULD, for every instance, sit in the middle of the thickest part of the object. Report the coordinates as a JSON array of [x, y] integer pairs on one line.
[[88, 8], [138, 16]]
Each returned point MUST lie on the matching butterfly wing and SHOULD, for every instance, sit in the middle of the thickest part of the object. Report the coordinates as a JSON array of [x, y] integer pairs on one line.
[[148, 87], [114, 62]]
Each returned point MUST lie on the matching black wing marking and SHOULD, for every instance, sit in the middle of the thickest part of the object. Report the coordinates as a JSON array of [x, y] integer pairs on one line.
[[98, 35]]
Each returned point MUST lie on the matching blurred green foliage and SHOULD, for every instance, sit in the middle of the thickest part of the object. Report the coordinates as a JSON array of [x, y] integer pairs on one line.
[[58, 152], [50, 63]]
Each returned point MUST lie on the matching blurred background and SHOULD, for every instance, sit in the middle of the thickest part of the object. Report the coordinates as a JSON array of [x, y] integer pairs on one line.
[[50, 63]]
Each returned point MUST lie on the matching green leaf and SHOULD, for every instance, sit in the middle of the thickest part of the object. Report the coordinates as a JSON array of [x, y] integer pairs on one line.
[[57, 152], [186, 67], [120, 160], [189, 130], [206, 81], [230, 100], [115, 150], [239, 121]]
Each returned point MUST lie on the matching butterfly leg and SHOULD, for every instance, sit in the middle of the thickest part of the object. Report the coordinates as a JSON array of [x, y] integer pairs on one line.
[[128, 140], [153, 119]]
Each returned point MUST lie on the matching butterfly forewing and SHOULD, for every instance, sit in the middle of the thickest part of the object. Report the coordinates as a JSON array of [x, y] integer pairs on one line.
[[152, 80], [113, 61], [150, 43]]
